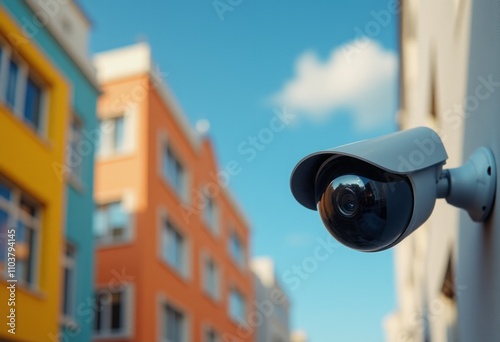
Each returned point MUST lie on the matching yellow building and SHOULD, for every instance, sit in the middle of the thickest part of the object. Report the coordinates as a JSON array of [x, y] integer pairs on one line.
[[33, 119]]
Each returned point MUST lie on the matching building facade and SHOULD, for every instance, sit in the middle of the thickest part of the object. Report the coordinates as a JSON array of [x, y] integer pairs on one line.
[[448, 270], [271, 303], [299, 336], [172, 245], [46, 83]]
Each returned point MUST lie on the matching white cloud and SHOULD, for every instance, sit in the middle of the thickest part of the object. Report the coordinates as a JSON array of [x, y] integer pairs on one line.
[[360, 76], [298, 239]]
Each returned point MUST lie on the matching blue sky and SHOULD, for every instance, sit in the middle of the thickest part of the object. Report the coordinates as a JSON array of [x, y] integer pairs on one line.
[[238, 65]]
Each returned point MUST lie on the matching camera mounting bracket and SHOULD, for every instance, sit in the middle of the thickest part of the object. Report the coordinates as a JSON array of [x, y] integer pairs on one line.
[[472, 186]]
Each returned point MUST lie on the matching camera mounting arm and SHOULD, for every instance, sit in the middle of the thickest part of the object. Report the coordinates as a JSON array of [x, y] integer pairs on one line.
[[472, 185]]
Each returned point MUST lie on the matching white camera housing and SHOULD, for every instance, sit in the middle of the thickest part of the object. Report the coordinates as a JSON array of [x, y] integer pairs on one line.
[[373, 193]]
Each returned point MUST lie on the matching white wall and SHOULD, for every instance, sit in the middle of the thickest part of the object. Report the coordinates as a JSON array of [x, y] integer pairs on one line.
[[69, 24], [435, 39], [459, 43], [275, 327], [479, 244]]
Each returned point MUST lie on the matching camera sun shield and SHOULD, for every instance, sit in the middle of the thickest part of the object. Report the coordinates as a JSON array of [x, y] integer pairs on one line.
[[372, 194], [398, 153]]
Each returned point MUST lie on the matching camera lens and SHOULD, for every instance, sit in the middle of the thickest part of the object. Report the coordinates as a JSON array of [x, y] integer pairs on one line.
[[361, 206], [347, 202]]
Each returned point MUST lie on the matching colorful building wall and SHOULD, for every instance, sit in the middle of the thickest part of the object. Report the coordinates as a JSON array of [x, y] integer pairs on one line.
[[62, 39], [168, 267], [31, 190]]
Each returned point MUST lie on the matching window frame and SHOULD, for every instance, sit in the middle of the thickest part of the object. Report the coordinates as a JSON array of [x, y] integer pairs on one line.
[[107, 147], [70, 262], [243, 250], [216, 294], [35, 224], [24, 73], [207, 329], [127, 310], [3, 69], [38, 82], [164, 304], [75, 176], [238, 320], [165, 223], [164, 146], [18, 106], [108, 239], [107, 134], [213, 227]]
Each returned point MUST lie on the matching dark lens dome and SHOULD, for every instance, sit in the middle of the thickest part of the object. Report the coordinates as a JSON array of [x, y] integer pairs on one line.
[[363, 207], [347, 203]]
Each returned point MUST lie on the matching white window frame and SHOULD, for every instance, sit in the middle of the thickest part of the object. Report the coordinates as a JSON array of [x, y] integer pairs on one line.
[[239, 320], [14, 213], [207, 328], [163, 145], [213, 227], [75, 171], [4, 57], [243, 248], [216, 294], [106, 148], [70, 262], [127, 312], [185, 269], [108, 239], [22, 81], [163, 304]]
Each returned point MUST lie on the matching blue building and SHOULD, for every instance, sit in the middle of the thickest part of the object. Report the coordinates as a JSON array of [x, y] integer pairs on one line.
[[60, 30]]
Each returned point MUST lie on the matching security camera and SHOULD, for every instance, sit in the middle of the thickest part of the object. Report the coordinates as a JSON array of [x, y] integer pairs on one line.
[[373, 193]]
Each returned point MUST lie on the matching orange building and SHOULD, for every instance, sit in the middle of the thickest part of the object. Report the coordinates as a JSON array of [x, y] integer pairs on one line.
[[172, 246]]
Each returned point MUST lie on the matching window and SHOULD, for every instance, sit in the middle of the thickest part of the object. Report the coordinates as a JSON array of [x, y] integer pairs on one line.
[[74, 157], [281, 312], [19, 212], [210, 214], [69, 274], [1, 59], [118, 133], [173, 171], [111, 223], [174, 247], [237, 250], [33, 104], [211, 278], [211, 335], [111, 312], [112, 135], [21, 91], [12, 88], [237, 307], [174, 324]]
